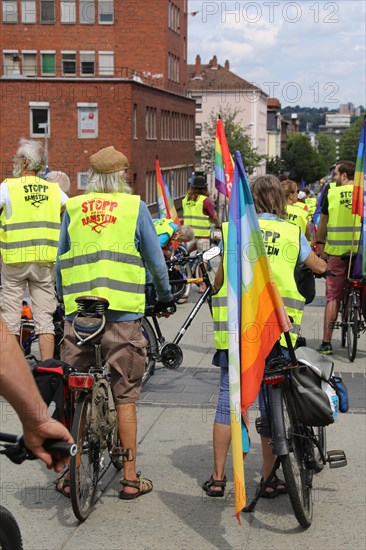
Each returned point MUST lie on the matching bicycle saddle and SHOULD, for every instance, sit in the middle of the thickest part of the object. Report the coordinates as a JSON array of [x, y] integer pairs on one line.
[[91, 306]]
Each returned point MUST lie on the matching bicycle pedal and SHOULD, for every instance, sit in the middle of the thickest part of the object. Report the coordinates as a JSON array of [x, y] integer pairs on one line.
[[337, 459]]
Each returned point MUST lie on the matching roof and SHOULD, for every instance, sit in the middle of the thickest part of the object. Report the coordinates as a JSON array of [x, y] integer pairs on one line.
[[217, 78]]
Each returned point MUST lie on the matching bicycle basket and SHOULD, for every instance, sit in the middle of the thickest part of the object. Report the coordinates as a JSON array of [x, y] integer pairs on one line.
[[311, 403]]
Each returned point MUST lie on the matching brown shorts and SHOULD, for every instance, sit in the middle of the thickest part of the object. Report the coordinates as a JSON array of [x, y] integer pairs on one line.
[[334, 289], [123, 346]]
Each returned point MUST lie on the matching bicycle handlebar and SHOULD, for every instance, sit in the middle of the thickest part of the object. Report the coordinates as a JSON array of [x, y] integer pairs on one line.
[[17, 452]]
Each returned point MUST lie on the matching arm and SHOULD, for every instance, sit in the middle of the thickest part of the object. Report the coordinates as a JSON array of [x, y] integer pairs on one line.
[[63, 246], [321, 234], [316, 264], [209, 210], [19, 388]]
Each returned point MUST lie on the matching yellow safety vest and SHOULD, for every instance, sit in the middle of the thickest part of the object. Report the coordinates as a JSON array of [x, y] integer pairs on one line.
[[32, 232], [343, 227], [194, 217], [282, 242], [219, 302], [311, 204], [103, 260], [297, 216]]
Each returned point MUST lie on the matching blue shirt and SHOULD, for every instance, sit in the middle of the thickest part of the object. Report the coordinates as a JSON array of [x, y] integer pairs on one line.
[[147, 243]]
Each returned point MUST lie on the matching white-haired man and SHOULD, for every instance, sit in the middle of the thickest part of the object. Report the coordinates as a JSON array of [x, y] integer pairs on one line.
[[61, 178], [107, 236], [30, 229]]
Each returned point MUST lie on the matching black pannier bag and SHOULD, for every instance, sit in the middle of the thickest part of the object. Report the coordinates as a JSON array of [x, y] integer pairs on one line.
[[312, 404], [305, 282], [49, 377]]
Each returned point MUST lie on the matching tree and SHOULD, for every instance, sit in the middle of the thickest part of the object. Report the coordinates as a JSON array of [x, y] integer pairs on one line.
[[236, 137], [275, 166], [327, 150], [348, 144], [302, 161]]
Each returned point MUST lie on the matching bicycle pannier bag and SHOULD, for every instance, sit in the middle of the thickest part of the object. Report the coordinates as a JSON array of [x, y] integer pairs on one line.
[[312, 404], [49, 377], [305, 282]]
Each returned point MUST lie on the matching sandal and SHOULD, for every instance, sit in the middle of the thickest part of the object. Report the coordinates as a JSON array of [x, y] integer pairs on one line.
[[61, 484], [274, 488], [280, 485], [143, 485], [207, 487]]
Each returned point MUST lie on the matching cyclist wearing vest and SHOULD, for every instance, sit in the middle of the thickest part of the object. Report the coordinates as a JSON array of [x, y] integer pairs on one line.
[[295, 215], [198, 213], [169, 231], [107, 235], [30, 229], [338, 233], [310, 202], [285, 245]]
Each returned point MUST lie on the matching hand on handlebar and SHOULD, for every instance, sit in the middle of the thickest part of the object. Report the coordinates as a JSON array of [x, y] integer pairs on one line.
[[165, 309], [326, 273]]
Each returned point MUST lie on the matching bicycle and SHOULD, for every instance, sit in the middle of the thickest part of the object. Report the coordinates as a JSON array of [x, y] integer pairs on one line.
[[14, 448], [27, 334], [300, 447], [170, 353]]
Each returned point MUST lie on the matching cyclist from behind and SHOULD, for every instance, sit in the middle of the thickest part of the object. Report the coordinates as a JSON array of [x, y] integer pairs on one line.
[[107, 235]]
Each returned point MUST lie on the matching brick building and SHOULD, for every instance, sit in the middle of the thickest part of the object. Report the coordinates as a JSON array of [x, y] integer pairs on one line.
[[95, 73]]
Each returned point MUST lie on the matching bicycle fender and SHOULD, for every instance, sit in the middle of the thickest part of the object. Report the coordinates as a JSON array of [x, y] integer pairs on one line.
[[280, 444]]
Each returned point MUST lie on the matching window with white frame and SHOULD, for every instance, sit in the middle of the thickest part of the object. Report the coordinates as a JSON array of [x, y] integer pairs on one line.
[[87, 63], [106, 12], [106, 63], [68, 60], [10, 62], [48, 63], [87, 120], [150, 188], [82, 180], [198, 100], [86, 12], [10, 11], [68, 11], [39, 117], [29, 63], [47, 11], [150, 123], [165, 121], [198, 130], [29, 12]]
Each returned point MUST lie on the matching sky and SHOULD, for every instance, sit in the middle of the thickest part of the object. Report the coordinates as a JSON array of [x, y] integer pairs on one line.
[[308, 53]]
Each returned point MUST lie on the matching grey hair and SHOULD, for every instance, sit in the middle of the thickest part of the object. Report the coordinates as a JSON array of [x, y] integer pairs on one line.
[[186, 232], [61, 178], [115, 182], [32, 151]]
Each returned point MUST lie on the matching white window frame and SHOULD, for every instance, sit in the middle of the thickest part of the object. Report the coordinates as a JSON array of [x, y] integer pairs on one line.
[[83, 108], [150, 188], [47, 52], [84, 12], [29, 12], [107, 70], [83, 53], [39, 105], [82, 176], [67, 52], [6, 12], [102, 5], [48, 21], [68, 12], [33, 53], [9, 53]]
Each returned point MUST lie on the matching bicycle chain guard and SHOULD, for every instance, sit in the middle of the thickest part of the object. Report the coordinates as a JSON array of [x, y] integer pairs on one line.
[[171, 356]]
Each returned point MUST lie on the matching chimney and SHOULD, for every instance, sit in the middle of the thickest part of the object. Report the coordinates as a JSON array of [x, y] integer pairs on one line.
[[198, 65], [227, 65], [213, 62]]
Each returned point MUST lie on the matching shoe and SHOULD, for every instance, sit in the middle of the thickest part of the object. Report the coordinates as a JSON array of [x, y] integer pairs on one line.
[[274, 488], [62, 485], [143, 486], [207, 487], [325, 348]]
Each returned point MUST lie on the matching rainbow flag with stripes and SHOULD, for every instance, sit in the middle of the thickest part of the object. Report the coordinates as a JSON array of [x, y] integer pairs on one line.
[[359, 192], [166, 206], [224, 166], [257, 316]]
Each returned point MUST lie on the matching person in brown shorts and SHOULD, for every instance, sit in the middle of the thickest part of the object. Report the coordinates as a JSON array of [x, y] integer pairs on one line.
[[107, 236]]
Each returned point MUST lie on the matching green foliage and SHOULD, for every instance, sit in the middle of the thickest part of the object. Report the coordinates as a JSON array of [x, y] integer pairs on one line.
[[237, 140], [302, 161], [327, 150], [348, 144], [275, 166]]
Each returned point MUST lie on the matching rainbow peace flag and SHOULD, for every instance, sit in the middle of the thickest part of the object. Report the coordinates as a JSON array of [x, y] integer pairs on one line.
[[224, 166], [257, 316], [359, 193], [166, 206]]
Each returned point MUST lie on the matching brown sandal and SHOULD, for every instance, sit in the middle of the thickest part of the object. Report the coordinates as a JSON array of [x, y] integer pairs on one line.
[[143, 485], [61, 484]]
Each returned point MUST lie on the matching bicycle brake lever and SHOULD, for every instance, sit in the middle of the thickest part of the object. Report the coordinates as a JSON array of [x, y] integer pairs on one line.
[[17, 454]]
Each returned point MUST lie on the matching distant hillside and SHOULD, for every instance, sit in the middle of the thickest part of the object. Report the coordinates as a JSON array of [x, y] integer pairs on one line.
[[309, 117]]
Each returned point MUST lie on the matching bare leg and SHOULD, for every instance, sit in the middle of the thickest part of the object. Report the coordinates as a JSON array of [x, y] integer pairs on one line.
[[46, 345], [330, 315], [268, 457], [127, 431], [221, 444]]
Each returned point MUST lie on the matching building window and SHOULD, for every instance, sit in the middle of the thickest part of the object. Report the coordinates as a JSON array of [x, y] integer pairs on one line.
[[82, 180], [134, 121], [150, 188], [150, 123], [47, 11], [68, 11], [198, 130], [106, 63], [173, 67], [87, 63], [105, 12], [29, 64], [48, 63], [39, 119], [198, 103], [165, 121], [86, 12], [10, 63], [87, 120], [10, 12], [68, 63], [29, 12]]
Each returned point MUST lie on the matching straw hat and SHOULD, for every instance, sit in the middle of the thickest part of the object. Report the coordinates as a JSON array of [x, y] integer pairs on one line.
[[108, 160]]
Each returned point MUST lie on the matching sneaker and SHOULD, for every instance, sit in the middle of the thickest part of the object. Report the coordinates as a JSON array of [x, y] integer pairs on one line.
[[325, 348]]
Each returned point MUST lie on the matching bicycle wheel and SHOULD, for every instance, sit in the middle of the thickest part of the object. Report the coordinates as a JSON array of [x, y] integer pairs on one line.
[[352, 329], [10, 537], [321, 436], [114, 448], [151, 349], [84, 467], [188, 275], [344, 321], [298, 475]]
